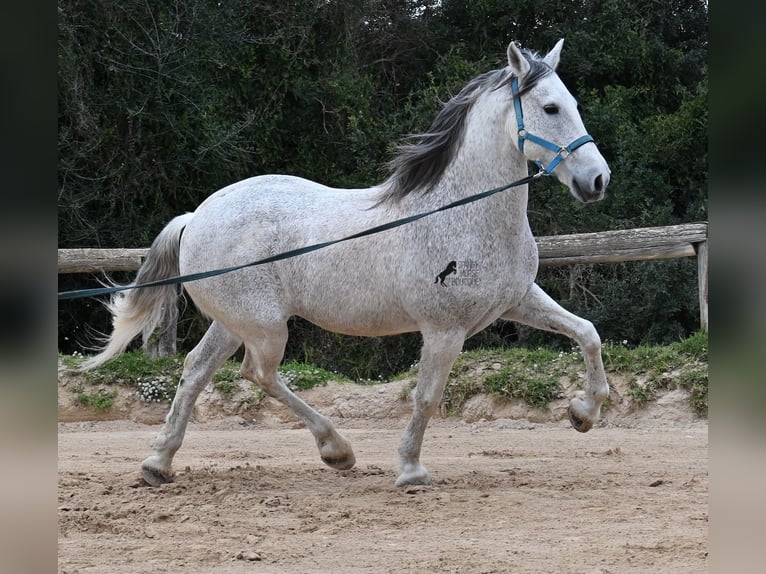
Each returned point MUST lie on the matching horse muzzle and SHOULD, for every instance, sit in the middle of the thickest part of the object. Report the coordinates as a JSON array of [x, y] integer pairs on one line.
[[590, 189]]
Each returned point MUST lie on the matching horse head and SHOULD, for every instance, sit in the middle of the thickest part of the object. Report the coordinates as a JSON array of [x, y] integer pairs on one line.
[[550, 131]]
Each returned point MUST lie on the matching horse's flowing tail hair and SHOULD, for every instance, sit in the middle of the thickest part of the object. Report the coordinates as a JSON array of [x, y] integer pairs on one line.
[[140, 310]]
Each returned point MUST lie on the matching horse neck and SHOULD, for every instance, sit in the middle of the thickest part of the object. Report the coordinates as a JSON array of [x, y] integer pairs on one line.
[[485, 160]]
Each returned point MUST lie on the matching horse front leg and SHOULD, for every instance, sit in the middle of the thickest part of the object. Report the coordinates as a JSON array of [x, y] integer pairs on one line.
[[436, 359], [538, 310]]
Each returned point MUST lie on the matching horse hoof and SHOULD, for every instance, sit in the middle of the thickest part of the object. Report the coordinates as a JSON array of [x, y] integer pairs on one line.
[[336, 452], [342, 463], [414, 475], [406, 481], [581, 425], [153, 476]]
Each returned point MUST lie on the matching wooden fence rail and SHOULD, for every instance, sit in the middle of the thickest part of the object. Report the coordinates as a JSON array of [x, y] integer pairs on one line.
[[646, 243]]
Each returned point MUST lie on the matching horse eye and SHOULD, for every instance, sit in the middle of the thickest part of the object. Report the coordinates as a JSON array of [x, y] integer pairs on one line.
[[551, 109]]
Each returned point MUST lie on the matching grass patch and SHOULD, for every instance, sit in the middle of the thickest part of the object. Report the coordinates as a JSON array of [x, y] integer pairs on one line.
[[695, 380], [654, 368], [695, 346], [228, 373], [538, 375], [535, 390], [134, 367], [100, 400], [71, 362], [226, 388], [529, 374], [156, 378], [226, 377], [299, 376]]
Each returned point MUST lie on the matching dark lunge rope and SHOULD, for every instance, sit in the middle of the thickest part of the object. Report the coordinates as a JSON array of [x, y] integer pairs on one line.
[[295, 252]]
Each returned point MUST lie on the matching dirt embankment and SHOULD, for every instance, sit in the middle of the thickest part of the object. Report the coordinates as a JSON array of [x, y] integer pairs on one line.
[[351, 401]]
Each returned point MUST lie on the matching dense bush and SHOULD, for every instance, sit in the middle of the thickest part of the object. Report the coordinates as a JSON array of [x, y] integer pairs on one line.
[[162, 103]]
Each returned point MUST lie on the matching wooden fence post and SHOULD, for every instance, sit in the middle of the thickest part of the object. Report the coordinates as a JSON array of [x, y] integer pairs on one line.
[[702, 283]]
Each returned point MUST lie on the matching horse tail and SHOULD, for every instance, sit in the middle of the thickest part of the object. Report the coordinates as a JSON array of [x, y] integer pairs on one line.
[[140, 310]]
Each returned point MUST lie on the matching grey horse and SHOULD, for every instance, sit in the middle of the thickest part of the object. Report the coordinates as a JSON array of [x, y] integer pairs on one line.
[[382, 284]]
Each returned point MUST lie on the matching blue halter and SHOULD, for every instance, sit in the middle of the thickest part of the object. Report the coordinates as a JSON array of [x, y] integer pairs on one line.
[[561, 151]]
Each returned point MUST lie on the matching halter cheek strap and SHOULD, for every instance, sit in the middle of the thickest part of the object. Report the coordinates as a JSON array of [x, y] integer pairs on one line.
[[561, 151]]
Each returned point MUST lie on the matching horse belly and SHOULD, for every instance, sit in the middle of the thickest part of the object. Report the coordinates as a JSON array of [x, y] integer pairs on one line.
[[354, 291], [395, 305]]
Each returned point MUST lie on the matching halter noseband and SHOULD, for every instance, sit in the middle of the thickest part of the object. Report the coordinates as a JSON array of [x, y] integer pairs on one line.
[[561, 151]]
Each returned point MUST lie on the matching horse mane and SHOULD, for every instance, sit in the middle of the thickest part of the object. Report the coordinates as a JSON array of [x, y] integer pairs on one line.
[[422, 158]]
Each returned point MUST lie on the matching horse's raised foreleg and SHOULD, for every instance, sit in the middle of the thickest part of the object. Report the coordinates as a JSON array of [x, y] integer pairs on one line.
[[199, 366], [262, 358], [436, 359], [538, 310]]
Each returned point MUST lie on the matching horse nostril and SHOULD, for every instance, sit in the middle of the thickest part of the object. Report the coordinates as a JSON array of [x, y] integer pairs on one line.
[[598, 183]]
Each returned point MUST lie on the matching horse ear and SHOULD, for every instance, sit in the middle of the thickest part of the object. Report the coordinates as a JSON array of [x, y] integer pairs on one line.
[[517, 61], [552, 58]]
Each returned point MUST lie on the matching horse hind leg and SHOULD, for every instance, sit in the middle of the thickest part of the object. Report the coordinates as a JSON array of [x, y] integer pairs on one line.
[[262, 358], [538, 310], [199, 366]]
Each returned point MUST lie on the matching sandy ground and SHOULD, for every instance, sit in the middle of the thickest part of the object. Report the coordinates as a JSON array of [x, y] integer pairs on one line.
[[510, 496]]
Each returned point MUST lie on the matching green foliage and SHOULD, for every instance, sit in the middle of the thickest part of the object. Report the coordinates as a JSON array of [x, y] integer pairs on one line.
[[227, 373], [619, 297], [694, 346], [695, 380], [536, 391], [161, 104], [540, 375], [155, 379], [300, 376], [682, 364], [71, 362], [99, 400], [226, 388], [533, 375], [134, 366]]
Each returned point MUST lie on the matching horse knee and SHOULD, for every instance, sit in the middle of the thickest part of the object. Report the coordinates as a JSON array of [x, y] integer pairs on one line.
[[588, 338]]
